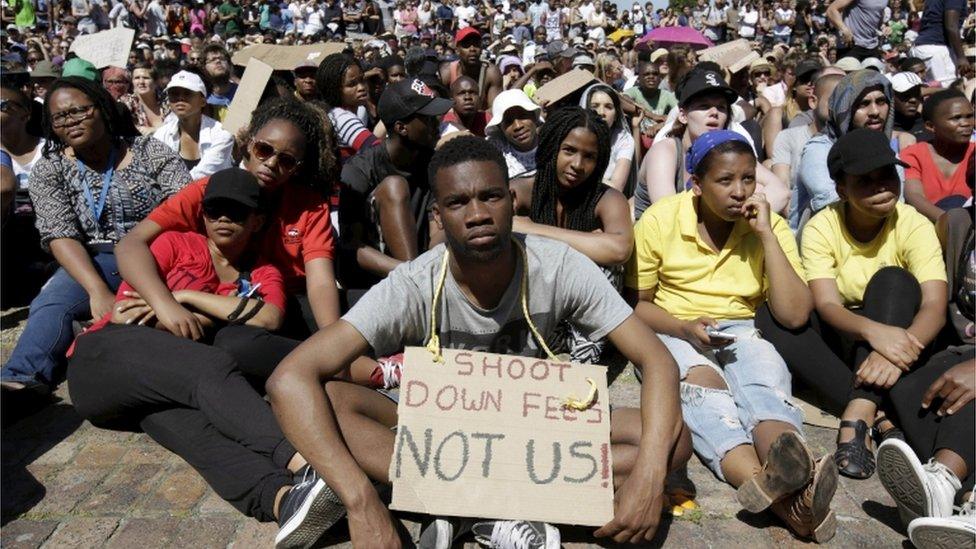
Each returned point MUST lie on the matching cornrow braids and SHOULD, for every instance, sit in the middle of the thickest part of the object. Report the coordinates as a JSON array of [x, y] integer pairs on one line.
[[579, 204], [309, 123], [115, 127], [329, 77]]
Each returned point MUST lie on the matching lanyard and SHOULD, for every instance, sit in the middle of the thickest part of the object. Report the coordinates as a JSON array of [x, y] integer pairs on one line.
[[106, 184]]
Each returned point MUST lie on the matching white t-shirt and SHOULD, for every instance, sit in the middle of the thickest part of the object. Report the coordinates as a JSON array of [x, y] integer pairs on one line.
[[622, 149], [783, 30], [747, 23], [464, 15]]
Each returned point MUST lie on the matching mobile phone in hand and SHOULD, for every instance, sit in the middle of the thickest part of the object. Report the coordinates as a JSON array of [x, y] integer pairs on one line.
[[716, 334]]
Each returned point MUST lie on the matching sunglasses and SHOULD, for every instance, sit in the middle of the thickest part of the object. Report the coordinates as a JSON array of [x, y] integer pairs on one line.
[[234, 211], [762, 73], [263, 151]]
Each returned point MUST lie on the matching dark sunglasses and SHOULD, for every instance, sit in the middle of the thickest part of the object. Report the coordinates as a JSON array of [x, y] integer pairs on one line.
[[234, 211], [263, 151]]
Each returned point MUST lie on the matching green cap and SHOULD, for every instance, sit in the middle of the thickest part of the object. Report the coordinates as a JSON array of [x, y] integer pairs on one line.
[[79, 67]]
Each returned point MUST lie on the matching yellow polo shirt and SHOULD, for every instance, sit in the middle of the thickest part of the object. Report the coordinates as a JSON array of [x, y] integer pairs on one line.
[[907, 240], [691, 279]]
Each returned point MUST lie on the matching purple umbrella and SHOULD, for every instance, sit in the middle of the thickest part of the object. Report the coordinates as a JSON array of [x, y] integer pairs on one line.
[[676, 35]]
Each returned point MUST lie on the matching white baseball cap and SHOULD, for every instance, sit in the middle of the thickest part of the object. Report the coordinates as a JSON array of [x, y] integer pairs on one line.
[[903, 81], [873, 63], [188, 81], [509, 99]]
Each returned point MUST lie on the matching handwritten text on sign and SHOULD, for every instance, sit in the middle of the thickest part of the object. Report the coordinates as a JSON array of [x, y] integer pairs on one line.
[[485, 435]]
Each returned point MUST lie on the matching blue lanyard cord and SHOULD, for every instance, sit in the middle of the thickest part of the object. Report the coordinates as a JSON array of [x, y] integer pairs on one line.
[[98, 208]]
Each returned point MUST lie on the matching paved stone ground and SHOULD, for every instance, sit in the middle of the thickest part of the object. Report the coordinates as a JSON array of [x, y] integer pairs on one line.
[[66, 483]]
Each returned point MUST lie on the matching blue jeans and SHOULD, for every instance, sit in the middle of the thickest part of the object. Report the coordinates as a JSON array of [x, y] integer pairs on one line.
[[40, 350], [757, 389]]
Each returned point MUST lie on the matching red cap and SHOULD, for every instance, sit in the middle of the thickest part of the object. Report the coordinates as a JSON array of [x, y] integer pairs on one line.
[[464, 33]]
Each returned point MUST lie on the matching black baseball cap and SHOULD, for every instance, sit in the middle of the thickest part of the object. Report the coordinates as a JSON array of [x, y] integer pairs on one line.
[[407, 98], [698, 82], [233, 184], [805, 67], [859, 152]]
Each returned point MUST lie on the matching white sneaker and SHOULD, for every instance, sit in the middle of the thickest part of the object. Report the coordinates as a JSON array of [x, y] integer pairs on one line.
[[958, 530], [919, 490], [516, 534]]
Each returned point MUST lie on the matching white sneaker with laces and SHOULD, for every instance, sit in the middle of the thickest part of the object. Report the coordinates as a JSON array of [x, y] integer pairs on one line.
[[919, 490], [959, 530], [516, 534]]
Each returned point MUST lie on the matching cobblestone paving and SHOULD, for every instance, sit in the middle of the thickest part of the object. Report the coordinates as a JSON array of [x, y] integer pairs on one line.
[[66, 484]]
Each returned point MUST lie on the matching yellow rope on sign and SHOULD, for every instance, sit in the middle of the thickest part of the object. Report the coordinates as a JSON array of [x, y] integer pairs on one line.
[[572, 402], [434, 341]]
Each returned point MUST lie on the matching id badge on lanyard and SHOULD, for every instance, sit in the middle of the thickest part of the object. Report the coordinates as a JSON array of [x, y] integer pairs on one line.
[[99, 207]]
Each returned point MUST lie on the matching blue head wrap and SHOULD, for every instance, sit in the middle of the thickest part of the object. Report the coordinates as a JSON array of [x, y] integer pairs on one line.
[[706, 142]]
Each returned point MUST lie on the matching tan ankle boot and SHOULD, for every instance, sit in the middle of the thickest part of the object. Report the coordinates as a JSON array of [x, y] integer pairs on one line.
[[788, 468], [807, 512]]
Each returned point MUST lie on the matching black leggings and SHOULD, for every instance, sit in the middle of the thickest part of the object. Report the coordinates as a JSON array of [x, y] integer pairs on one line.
[[925, 431], [191, 399], [824, 360], [256, 351]]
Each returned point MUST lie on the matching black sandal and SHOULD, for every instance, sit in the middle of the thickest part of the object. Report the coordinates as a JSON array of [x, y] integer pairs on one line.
[[880, 435], [853, 458]]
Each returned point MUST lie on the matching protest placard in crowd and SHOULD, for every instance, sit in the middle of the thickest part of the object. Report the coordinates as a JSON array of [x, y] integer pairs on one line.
[[105, 49], [255, 78], [481, 428], [286, 58]]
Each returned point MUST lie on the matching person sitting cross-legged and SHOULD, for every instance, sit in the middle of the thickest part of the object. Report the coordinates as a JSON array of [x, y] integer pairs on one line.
[[497, 285]]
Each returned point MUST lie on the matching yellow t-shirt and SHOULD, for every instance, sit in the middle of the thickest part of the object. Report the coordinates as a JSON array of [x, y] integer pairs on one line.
[[907, 240], [691, 279]]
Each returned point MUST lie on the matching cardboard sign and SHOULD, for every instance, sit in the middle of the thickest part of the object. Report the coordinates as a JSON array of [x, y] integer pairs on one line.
[[734, 56], [485, 435], [105, 49], [563, 85], [248, 95], [286, 58]]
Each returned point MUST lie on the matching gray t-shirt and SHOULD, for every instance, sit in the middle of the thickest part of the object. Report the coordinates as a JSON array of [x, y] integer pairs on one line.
[[788, 147], [864, 20], [563, 285]]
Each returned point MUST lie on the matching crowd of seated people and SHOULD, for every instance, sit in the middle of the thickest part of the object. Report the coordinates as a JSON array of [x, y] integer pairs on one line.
[[743, 234]]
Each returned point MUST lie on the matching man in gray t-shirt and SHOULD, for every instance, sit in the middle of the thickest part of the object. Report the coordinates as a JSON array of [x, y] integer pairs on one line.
[[480, 307]]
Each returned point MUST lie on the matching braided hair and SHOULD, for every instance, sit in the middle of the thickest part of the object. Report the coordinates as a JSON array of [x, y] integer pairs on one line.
[[116, 127], [329, 77], [579, 204], [309, 123]]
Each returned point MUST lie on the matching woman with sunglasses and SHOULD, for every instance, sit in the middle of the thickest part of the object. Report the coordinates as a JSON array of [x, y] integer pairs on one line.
[[202, 143], [284, 150], [91, 187]]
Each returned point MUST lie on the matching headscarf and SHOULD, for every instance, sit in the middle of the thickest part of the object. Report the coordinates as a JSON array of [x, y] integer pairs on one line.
[[708, 141], [585, 103], [849, 90]]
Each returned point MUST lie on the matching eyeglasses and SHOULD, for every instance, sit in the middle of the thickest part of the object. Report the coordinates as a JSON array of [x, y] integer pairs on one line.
[[762, 73], [72, 115], [263, 151]]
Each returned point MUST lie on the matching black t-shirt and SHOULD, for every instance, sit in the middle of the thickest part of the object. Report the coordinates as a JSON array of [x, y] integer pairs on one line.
[[914, 126], [359, 220]]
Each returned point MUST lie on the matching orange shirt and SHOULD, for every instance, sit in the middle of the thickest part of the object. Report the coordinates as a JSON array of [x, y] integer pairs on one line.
[[921, 167], [299, 229]]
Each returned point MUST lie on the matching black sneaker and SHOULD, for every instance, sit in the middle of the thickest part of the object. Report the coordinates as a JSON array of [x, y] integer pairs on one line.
[[307, 510]]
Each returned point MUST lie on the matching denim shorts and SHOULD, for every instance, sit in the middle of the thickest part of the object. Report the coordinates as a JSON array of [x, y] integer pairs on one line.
[[758, 389]]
